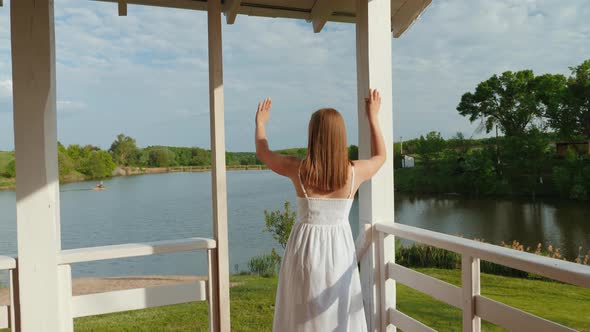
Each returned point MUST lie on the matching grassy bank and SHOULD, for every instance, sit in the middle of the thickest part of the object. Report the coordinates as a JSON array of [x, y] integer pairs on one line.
[[252, 306]]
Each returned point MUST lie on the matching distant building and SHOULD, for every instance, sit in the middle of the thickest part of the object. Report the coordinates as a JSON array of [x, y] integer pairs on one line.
[[407, 162], [581, 147]]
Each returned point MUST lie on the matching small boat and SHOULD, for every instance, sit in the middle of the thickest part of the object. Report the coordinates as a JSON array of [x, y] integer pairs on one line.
[[99, 188]]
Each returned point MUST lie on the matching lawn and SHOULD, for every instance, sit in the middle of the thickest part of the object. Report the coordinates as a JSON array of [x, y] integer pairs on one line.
[[252, 306]]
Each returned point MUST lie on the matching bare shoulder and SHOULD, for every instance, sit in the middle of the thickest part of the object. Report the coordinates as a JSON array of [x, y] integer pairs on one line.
[[364, 169]]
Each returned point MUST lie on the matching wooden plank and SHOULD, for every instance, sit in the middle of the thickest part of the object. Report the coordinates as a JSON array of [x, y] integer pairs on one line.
[[218, 172], [470, 285], [407, 15], [407, 323], [514, 319], [436, 288], [231, 10], [4, 317], [178, 4], [14, 301], [7, 263], [575, 274], [139, 298], [91, 254], [320, 13], [122, 7], [373, 58], [211, 298], [35, 140], [65, 298]]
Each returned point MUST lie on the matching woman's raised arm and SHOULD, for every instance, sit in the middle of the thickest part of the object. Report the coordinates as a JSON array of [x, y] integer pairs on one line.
[[368, 167], [280, 164]]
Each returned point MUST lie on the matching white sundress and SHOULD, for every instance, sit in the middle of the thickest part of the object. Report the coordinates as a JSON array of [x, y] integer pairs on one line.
[[319, 286]]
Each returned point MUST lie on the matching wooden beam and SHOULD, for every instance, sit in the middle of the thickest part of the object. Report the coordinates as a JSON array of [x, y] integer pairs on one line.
[[407, 15], [122, 7], [138, 298], [470, 284], [320, 13], [373, 56], [220, 261], [231, 10], [35, 139], [178, 4]]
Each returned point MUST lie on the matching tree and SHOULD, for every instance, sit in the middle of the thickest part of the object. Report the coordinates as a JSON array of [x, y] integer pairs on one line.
[[430, 147], [99, 164], [578, 85], [280, 223], [124, 150], [553, 97], [160, 156], [508, 101]]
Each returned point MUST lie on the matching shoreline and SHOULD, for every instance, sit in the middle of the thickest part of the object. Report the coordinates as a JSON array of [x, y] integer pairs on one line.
[[133, 171]]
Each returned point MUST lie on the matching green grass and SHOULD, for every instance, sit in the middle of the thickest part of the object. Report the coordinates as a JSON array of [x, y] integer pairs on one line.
[[252, 306], [565, 304]]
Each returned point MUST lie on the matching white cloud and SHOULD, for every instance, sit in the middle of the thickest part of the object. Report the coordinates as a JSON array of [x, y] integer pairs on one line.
[[146, 74]]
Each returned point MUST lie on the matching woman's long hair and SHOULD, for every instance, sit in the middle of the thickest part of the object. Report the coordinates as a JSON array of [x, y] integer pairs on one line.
[[326, 166]]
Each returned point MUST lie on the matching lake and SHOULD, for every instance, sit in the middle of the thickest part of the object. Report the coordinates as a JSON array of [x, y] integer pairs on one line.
[[178, 205]]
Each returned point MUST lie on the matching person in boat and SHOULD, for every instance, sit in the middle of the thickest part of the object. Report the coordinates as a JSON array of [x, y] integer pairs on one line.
[[100, 185]]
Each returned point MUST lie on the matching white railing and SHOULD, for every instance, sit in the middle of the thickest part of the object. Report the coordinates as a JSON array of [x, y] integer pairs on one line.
[[467, 297], [131, 299], [7, 317]]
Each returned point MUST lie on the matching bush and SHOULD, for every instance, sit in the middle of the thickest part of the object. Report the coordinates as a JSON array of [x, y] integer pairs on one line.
[[280, 223], [98, 165], [10, 171], [265, 265]]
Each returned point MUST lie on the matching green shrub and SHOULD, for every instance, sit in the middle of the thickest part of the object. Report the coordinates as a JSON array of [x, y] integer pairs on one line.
[[265, 265], [280, 223], [10, 170]]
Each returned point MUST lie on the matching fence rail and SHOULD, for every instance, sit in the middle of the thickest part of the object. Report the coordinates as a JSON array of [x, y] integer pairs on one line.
[[132, 299], [6, 312], [467, 297], [81, 255]]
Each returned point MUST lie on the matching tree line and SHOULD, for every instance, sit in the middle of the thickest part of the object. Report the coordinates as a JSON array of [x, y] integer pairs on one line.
[[532, 113]]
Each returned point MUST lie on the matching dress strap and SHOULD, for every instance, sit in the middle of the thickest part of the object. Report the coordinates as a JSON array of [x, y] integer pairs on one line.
[[301, 182], [352, 183]]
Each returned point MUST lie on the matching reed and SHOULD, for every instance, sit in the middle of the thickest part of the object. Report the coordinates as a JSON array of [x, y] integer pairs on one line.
[[420, 255]]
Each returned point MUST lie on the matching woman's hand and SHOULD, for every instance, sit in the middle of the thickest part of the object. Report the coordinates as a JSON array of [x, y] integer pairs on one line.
[[373, 105], [263, 113]]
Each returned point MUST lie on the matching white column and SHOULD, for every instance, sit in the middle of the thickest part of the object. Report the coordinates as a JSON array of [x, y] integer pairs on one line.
[[220, 257], [373, 46], [35, 138]]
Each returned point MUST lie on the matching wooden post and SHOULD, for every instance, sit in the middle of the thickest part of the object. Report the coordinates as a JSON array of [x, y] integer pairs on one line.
[[65, 298], [470, 284], [35, 138], [220, 255], [373, 53], [14, 302]]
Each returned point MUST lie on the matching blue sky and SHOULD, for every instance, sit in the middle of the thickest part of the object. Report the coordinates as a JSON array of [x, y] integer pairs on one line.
[[145, 75]]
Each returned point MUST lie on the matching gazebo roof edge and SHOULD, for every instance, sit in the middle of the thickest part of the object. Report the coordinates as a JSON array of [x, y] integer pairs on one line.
[[403, 12]]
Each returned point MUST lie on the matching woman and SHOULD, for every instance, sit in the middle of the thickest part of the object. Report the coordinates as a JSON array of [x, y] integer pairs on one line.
[[319, 287]]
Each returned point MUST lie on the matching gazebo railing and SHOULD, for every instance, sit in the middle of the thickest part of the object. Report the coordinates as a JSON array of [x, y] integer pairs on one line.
[[137, 298], [467, 297], [7, 316]]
